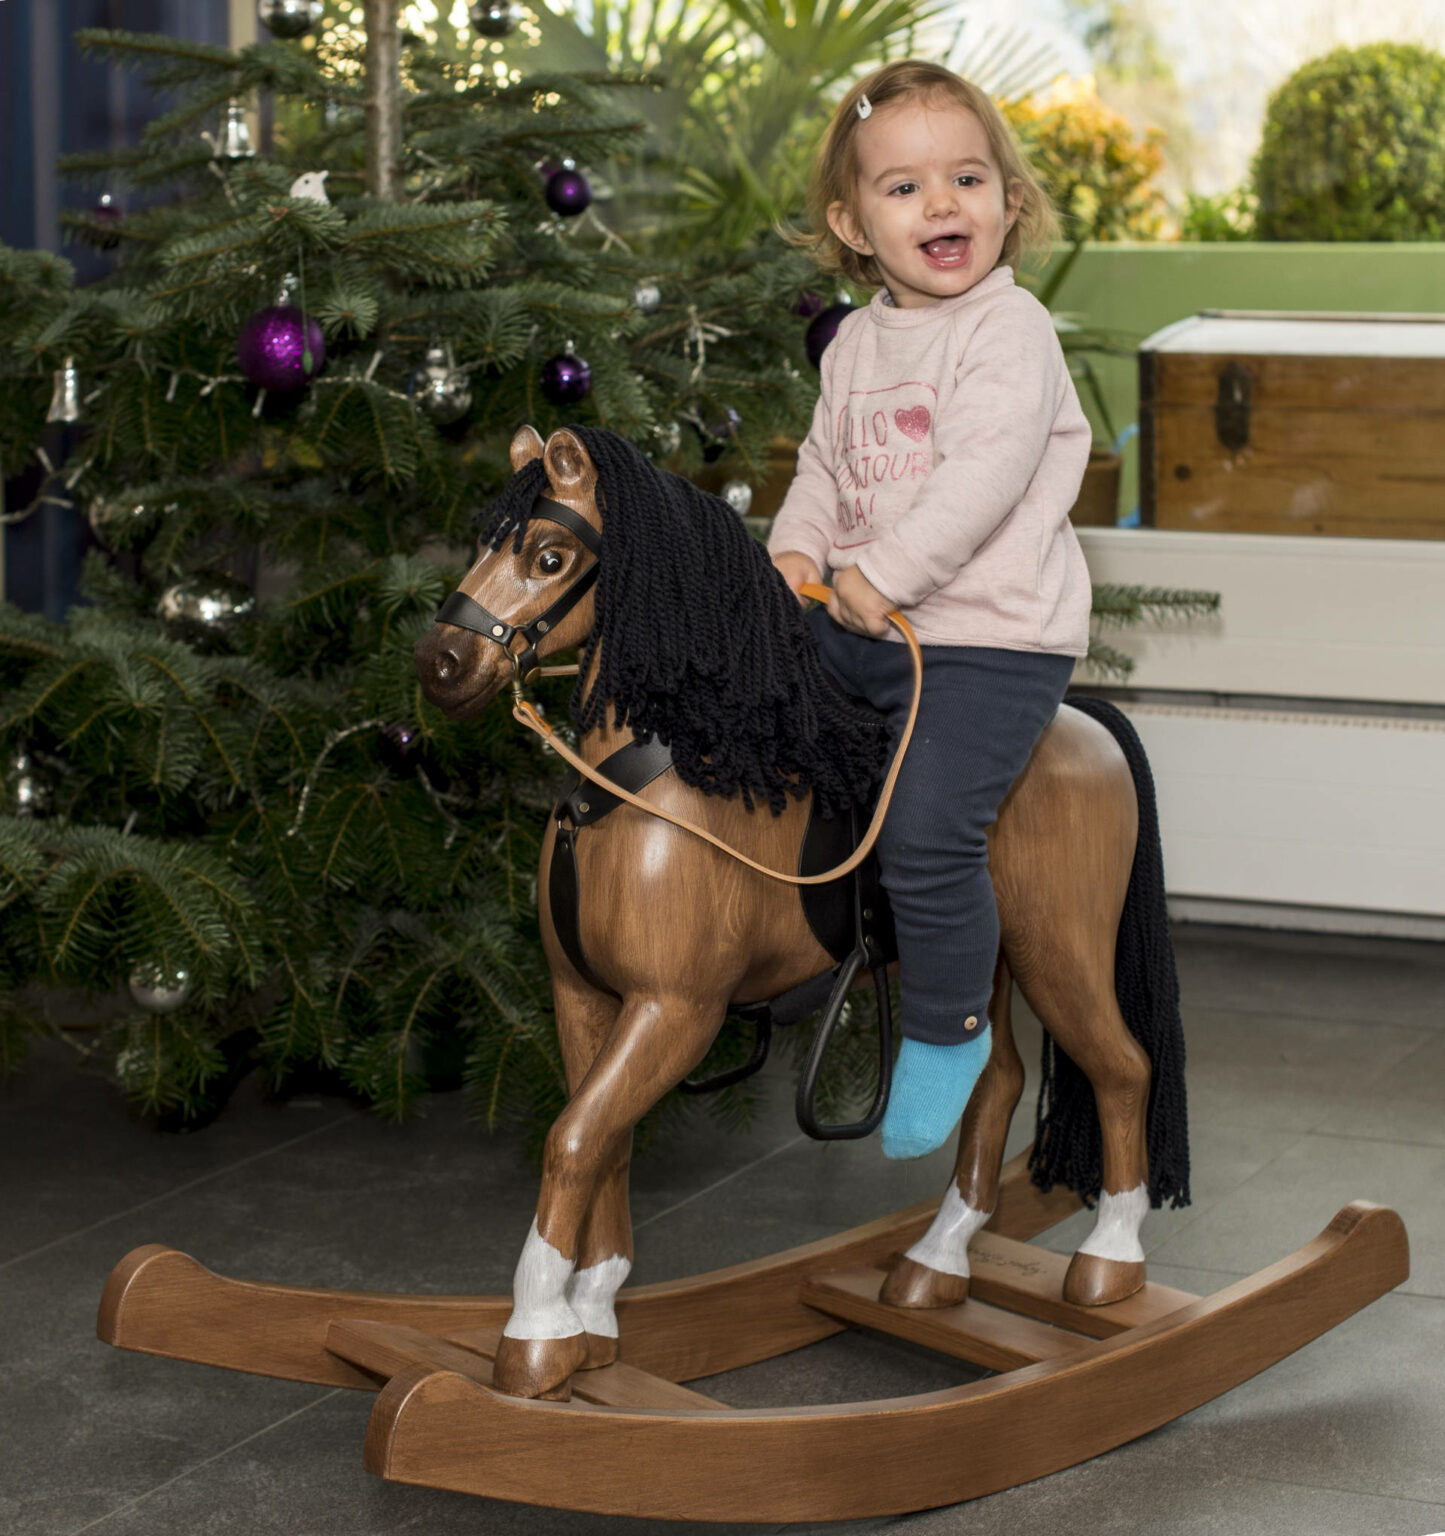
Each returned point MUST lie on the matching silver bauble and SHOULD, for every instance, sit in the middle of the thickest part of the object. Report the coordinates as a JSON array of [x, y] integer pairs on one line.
[[157, 992], [440, 388], [289, 18], [496, 18], [207, 607], [739, 496], [646, 297], [669, 438]]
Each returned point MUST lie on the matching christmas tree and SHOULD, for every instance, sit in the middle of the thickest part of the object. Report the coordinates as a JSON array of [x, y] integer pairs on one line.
[[224, 799]]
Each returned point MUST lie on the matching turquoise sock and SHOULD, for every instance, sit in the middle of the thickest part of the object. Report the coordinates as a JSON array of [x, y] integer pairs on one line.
[[931, 1087]]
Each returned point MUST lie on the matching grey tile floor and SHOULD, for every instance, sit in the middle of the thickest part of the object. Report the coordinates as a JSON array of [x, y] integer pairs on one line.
[[1317, 1075]]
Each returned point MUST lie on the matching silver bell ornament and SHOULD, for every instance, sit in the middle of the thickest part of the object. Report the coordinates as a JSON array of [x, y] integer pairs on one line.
[[646, 297], [65, 393], [158, 991], [289, 18], [235, 140], [206, 608], [739, 496], [440, 388], [496, 18]]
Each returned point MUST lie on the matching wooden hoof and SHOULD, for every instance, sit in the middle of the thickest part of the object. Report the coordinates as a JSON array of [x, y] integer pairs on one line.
[[601, 1351], [1095, 1282], [911, 1284], [539, 1367]]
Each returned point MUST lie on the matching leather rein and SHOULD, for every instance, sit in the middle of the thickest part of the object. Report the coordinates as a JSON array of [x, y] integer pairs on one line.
[[466, 613]]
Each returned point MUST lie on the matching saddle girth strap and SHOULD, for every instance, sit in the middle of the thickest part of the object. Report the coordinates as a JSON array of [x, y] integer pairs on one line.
[[582, 804]]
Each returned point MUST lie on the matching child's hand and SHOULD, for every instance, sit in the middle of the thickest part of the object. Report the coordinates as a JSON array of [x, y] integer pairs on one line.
[[858, 605], [796, 570]]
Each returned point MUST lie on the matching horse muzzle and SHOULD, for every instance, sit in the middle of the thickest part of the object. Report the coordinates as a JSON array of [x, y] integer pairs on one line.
[[456, 672]]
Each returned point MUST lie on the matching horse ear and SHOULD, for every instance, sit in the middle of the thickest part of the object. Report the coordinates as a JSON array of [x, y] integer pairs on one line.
[[569, 466], [526, 446]]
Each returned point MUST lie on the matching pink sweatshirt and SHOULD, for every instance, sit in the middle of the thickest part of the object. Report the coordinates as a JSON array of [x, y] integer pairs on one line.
[[947, 447]]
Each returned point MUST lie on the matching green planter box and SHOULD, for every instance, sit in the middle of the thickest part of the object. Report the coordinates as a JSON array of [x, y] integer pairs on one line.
[[1139, 288]]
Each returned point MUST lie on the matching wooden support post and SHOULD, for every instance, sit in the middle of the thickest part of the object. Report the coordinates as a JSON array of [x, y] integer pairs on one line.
[[383, 99]]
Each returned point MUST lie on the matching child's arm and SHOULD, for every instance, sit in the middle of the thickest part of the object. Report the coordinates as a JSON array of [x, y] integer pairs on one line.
[[806, 521], [988, 448]]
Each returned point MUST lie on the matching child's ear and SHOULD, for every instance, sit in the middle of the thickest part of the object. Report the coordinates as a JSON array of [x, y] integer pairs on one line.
[[1014, 202], [847, 228]]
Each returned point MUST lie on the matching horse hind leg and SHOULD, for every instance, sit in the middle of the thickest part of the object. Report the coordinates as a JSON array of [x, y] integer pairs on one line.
[[934, 1272]]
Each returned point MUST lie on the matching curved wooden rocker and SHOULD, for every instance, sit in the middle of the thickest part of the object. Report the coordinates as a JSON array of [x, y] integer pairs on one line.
[[1076, 1380]]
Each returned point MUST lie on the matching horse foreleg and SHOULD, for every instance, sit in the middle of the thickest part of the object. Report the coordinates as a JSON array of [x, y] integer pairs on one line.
[[655, 1042], [934, 1272]]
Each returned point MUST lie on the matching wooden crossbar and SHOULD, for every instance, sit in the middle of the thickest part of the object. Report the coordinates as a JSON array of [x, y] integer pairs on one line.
[[1023, 1278], [975, 1331], [618, 1385]]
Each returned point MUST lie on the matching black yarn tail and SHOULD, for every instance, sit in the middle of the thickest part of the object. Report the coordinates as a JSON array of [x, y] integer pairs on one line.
[[1068, 1148]]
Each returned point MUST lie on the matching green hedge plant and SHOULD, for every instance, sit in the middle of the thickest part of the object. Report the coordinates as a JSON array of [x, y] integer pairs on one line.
[[1353, 148]]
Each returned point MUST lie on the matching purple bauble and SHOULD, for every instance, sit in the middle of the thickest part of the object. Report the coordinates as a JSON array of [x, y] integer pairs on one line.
[[272, 346], [566, 379], [717, 437], [823, 330], [809, 303], [568, 193]]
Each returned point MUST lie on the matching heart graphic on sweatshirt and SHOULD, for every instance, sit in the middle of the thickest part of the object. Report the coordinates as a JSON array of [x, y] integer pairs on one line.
[[914, 423]]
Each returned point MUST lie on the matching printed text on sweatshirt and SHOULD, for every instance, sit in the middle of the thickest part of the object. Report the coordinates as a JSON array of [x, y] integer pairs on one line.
[[946, 449]]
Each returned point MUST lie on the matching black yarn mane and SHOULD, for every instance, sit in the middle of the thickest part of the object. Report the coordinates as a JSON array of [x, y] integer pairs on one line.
[[1068, 1148], [699, 641]]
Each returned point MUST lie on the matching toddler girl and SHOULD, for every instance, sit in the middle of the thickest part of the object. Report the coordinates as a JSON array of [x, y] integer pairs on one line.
[[947, 447]]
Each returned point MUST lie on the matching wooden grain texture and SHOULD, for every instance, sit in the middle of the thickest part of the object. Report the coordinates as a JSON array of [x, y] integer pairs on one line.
[[386, 1349], [163, 1302], [974, 1331], [1348, 446], [888, 1457], [1031, 1280]]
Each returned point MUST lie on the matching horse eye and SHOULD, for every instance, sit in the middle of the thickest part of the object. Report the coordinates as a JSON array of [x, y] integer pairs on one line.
[[549, 562]]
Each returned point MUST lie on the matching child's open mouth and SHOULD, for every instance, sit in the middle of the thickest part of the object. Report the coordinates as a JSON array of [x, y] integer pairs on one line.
[[947, 251]]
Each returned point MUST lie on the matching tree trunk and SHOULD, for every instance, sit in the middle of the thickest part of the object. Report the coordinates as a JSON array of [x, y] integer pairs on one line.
[[383, 99]]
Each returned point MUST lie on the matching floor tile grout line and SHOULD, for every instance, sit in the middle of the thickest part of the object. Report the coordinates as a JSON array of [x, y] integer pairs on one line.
[[1381, 1141], [1364, 1493], [216, 1456], [718, 1184], [179, 1189]]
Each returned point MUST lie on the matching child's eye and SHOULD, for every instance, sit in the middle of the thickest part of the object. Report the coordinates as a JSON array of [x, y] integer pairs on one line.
[[906, 186], [966, 180]]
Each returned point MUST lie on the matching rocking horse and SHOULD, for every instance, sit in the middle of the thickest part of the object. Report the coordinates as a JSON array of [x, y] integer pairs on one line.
[[670, 883]]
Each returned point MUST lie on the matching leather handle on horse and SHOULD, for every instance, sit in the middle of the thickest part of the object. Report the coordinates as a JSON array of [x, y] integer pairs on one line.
[[523, 711]]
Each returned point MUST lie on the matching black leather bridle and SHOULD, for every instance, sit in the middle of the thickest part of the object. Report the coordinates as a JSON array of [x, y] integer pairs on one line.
[[467, 613]]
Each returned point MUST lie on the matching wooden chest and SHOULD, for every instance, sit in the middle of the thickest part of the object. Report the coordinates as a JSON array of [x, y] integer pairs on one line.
[[1284, 422]]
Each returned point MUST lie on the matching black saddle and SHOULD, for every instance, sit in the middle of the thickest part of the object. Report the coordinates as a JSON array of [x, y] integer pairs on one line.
[[850, 917]]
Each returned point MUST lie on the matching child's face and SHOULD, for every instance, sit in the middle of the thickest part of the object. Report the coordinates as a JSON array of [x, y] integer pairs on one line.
[[932, 209]]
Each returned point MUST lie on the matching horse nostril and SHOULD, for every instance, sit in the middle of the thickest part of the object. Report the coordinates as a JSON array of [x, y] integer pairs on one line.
[[448, 664]]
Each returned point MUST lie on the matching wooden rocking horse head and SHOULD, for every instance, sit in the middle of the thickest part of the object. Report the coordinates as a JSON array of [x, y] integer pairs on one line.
[[685, 629]]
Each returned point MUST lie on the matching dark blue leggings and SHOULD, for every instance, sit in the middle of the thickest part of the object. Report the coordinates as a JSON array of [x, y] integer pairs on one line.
[[981, 713]]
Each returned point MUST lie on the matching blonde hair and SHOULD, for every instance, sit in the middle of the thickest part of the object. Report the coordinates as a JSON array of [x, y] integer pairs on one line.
[[835, 176]]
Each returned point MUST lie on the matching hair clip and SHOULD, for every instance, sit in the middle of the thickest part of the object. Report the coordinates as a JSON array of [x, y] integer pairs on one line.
[[865, 107]]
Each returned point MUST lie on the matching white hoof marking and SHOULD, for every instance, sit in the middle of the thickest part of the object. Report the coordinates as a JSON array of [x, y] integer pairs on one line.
[[944, 1246], [1116, 1228], [539, 1301], [593, 1290]]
